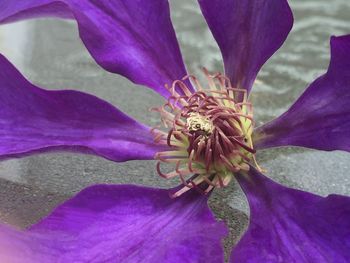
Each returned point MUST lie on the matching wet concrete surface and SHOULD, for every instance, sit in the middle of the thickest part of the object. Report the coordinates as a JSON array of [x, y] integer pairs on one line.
[[50, 54]]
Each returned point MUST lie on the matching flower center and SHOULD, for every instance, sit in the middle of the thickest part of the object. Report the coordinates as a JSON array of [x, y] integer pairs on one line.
[[210, 133], [198, 123]]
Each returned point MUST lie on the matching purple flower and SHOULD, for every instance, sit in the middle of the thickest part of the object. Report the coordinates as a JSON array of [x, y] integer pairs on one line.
[[211, 137]]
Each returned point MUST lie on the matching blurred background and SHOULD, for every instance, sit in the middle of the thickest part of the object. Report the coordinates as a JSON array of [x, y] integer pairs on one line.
[[50, 54]]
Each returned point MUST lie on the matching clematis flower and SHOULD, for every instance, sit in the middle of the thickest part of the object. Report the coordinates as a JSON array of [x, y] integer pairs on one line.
[[210, 140]]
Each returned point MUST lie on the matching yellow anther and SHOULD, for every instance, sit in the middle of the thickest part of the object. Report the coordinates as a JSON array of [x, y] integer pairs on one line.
[[197, 122]]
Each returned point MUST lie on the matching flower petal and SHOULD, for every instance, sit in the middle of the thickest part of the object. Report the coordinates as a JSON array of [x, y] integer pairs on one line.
[[123, 223], [248, 33], [320, 118], [33, 119], [12, 11], [19, 247], [288, 225], [133, 38]]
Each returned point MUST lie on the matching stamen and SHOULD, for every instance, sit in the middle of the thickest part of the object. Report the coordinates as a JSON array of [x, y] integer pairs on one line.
[[209, 133]]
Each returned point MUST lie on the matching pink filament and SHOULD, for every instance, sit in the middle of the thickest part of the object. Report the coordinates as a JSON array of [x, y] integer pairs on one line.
[[226, 140]]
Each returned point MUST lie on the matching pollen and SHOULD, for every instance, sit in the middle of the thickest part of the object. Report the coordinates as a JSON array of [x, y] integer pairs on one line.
[[196, 122], [209, 133]]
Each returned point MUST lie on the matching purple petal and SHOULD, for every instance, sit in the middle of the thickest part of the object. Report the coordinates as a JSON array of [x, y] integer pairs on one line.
[[133, 38], [121, 223], [12, 11], [33, 119], [19, 247], [288, 225], [320, 118], [248, 33]]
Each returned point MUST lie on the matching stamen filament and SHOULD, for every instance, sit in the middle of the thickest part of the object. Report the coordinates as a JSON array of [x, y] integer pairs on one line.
[[209, 135]]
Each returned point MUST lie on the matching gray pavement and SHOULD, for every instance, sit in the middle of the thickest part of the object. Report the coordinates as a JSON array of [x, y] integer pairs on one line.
[[51, 55]]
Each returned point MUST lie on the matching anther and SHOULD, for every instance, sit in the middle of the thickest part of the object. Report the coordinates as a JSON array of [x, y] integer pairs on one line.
[[209, 133]]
